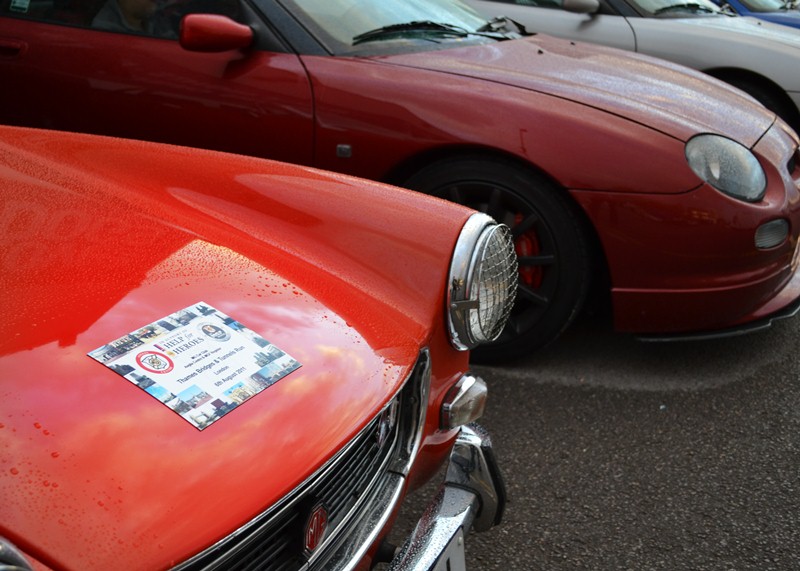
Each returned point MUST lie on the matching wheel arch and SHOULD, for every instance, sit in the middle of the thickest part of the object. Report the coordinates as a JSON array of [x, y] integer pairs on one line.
[[743, 77], [599, 298], [403, 171]]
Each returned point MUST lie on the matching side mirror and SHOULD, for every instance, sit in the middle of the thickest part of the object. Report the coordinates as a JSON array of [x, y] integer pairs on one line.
[[213, 33], [582, 6]]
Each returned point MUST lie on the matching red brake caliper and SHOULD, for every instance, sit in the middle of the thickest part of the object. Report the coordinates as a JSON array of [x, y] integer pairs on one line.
[[528, 245]]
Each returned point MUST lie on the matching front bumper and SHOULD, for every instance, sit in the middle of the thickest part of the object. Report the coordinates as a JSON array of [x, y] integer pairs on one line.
[[692, 261], [472, 496], [791, 292]]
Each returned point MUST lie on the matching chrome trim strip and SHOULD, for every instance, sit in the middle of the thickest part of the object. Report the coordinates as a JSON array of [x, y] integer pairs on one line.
[[286, 503], [482, 282], [357, 508], [464, 259], [11, 558], [403, 451], [384, 498], [415, 414], [360, 537]]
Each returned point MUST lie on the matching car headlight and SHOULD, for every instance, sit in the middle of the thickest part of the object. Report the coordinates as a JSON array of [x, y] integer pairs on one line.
[[483, 282], [727, 166]]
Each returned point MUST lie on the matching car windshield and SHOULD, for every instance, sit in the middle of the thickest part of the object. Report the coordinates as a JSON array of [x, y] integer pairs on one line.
[[342, 24], [766, 5], [676, 8]]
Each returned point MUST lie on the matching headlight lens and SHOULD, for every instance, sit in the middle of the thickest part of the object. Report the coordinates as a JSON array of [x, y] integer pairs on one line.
[[483, 282], [727, 166]]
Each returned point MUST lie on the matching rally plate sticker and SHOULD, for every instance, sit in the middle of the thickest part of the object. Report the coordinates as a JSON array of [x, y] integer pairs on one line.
[[199, 362]]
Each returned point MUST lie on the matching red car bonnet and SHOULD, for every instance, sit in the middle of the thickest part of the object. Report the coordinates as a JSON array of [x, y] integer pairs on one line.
[[652, 92], [92, 463]]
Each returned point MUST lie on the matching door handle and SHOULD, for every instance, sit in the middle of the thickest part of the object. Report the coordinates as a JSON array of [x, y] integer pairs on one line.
[[12, 48]]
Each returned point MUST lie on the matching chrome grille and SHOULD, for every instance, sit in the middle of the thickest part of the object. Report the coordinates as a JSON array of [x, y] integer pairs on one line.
[[274, 540]]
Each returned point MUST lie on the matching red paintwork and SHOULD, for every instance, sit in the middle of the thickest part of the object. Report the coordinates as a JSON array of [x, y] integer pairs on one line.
[[608, 127], [688, 262], [102, 236]]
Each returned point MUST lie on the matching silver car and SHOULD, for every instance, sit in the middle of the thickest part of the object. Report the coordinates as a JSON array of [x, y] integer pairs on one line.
[[760, 58]]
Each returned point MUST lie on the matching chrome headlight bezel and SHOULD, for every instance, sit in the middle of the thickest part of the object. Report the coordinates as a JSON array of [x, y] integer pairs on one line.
[[482, 284], [728, 166], [11, 557]]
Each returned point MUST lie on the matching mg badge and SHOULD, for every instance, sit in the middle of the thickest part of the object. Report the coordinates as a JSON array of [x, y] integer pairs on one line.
[[316, 526]]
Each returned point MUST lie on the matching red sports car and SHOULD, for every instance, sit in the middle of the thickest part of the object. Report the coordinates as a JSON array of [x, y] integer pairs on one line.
[[670, 191], [209, 361]]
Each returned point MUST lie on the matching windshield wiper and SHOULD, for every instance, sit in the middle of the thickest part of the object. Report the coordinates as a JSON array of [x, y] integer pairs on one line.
[[418, 26], [503, 24], [690, 6]]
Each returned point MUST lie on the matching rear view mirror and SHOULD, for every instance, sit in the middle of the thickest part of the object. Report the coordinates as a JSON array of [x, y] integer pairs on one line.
[[213, 33]]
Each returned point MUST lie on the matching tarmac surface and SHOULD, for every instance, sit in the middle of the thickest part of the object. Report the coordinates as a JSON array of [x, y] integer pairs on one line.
[[625, 455]]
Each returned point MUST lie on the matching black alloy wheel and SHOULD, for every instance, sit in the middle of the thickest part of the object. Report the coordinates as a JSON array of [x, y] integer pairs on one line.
[[549, 239]]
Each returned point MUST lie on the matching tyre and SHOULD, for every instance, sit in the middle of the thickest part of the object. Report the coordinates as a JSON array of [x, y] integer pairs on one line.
[[551, 245]]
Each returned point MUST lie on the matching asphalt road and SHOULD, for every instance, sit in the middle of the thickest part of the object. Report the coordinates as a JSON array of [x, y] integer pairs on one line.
[[624, 455]]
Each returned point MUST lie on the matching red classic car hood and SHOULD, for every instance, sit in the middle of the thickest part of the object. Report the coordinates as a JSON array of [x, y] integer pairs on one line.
[[95, 471], [669, 98]]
